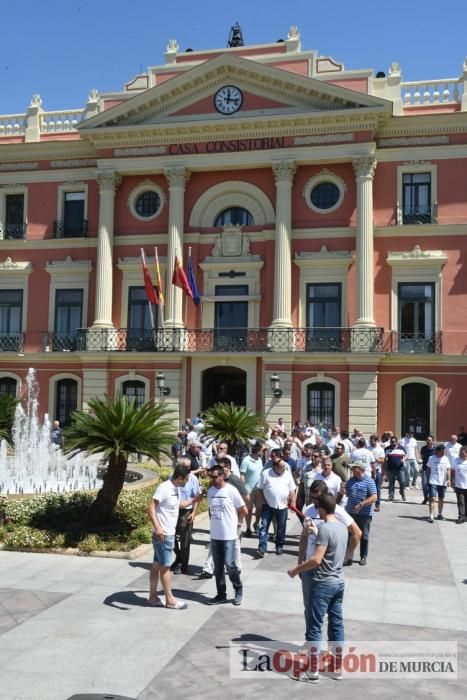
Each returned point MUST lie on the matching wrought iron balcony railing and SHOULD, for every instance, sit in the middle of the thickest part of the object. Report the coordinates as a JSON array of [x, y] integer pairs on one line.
[[416, 342], [191, 340], [66, 229], [417, 214], [59, 342], [12, 232], [11, 342]]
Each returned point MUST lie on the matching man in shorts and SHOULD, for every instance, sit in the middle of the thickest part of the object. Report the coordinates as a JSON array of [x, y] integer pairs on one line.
[[163, 512], [438, 478]]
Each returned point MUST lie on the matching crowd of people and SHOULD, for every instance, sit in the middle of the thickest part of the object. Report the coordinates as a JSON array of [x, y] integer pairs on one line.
[[330, 478]]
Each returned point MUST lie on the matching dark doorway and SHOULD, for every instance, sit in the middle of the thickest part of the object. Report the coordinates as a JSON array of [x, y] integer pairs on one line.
[[223, 384], [416, 410], [66, 400]]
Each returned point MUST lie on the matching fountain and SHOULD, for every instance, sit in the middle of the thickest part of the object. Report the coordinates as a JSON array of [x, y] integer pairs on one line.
[[37, 465]]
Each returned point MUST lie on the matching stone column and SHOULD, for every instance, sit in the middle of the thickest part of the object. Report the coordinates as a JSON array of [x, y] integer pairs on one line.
[[283, 174], [177, 177], [364, 171], [108, 181]]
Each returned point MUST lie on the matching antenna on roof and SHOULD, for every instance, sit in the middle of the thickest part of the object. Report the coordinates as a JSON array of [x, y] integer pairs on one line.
[[235, 36]]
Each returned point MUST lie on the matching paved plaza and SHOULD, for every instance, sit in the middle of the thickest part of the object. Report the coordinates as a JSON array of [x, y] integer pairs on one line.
[[79, 625]]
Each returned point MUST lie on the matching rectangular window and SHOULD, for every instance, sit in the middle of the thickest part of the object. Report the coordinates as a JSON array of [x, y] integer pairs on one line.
[[68, 318], [74, 224], [321, 401], [323, 314], [14, 216], [416, 317], [11, 312], [416, 198], [141, 321], [231, 318]]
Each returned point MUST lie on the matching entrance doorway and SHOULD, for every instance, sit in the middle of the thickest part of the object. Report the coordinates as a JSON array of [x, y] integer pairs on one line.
[[223, 384]]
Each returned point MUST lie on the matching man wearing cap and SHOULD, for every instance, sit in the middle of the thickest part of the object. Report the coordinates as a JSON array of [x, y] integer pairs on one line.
[[438, 478], [361, 497]]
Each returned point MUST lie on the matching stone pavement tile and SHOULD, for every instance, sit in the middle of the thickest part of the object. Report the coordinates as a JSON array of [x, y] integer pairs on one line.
[[210, 666]]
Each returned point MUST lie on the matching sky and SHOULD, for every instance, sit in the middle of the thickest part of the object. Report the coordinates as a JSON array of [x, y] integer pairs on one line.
[[63, 49]]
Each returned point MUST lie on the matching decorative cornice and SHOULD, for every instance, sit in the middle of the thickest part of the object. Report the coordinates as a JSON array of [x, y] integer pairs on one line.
[[324, 258], [68, 266], [416, 255], [8, 266]]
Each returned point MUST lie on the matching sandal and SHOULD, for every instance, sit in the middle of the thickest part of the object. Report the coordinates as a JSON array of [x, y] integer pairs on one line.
[[155, 603], [178, 606]]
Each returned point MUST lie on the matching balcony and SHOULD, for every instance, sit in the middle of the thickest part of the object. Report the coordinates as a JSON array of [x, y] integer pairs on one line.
[[415, 343], [13, 232], [11, 342], [71, 229], [59, 342], [417, 215], [257, 340]]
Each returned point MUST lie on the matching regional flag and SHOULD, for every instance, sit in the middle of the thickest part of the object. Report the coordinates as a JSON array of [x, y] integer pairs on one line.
[[148, 286], [179, 278], [160, 293], [192, 281]]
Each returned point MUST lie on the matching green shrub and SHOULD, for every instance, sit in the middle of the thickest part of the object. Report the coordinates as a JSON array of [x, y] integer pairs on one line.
[[142, 535], [28, 537], [89, 543]]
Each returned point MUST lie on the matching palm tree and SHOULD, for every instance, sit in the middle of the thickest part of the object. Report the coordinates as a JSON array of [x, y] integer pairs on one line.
[[234, 424], [7, 417], [118, 428]]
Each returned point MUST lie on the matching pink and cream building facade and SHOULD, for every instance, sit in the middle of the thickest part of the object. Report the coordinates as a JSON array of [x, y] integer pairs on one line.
[[326, 213]]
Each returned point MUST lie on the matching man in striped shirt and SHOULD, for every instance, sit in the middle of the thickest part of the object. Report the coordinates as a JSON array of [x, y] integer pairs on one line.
[[361, 497]]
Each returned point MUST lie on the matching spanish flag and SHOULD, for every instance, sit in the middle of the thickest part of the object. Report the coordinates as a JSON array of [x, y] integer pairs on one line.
[[179, 278]]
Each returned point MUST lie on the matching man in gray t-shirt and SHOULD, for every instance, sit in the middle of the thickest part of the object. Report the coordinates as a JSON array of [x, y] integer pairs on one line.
[[326, 590]]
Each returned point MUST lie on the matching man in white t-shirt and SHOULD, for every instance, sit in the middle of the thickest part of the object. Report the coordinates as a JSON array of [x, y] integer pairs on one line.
[[277, 489], [409, 444], [363, 454], [378, 461], [163, 512], [452, 449], [308, 539], [222, 451], [459, 481], [227, 510], [438, 479], [332, 481]]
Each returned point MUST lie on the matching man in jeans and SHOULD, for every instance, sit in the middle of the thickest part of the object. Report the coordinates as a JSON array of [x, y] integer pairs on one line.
[[409, 445], [326, 590], [394, 461], [277, 489], [427, 451], [361, 497], [227, 510]]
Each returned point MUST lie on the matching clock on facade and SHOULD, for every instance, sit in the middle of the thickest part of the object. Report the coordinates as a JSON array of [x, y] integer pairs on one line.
[[228, 99]]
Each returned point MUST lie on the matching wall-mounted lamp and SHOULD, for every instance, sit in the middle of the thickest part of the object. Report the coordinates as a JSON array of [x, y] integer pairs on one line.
[[275, 384], [163, 390]]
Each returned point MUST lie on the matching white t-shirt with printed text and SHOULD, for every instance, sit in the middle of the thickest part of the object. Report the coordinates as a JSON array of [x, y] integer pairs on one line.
[[223, 505], [439, 470]]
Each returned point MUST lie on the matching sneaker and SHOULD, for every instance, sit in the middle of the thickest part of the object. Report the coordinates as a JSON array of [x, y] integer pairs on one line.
[[259, 554], [238, 596], [416, 486], [248, 533], [424, 502], [307, 677], [279, 550], [440, 516], [390, 498], [204, 574], [363, 561], [217, 600], [460, 520], [348, 562], [337, 674], [377, 509], [431, 518], [403, 496]]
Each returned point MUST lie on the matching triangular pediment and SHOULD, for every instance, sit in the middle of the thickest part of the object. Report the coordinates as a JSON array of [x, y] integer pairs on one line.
[[265, 91]]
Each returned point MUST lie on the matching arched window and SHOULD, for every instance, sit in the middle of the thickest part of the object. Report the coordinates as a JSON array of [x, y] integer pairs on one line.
[[415, 416], [234, 216], [321, 403], [8, 387], [66, 400], [134, 390]]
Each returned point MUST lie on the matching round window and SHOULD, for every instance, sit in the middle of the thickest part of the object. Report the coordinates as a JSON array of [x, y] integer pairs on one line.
[[325, 195], [147, 204]]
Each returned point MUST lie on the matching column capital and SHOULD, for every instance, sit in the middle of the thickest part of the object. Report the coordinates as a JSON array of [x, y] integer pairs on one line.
[[108, 180], [177, 176], [364, 166], [283, 170]]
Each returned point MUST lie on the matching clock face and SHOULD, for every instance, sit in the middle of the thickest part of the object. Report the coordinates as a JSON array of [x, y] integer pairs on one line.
[[228, 99]]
